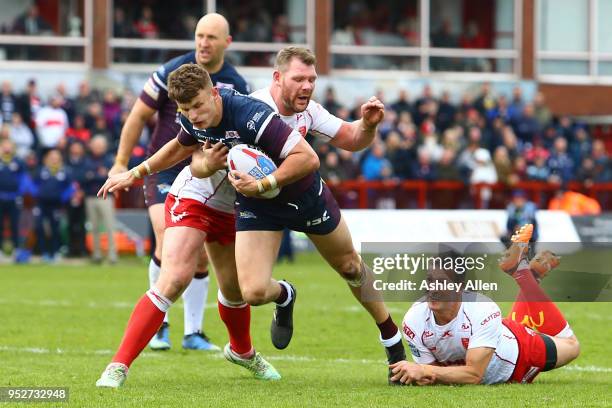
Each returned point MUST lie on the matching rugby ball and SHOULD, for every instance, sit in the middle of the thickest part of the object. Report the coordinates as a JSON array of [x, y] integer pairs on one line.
[[246, 159]]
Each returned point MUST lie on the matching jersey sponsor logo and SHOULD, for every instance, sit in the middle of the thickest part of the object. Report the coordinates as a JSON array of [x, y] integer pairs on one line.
[[408, 331], [232, 134], [415, 351], [490, 317], [465, 341], [163, 188], [246, 215], [251, 123], [224, 85], [427, 334], [447, 334], [317, 221]]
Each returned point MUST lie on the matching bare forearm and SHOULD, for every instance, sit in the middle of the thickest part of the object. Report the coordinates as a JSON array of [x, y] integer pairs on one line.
[[455, 374], [170, 154], [131, 131], [354, 136]]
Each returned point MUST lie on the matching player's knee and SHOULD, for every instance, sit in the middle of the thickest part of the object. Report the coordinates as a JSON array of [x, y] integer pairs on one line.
[[574, 349], [349, 268], [254, 296]]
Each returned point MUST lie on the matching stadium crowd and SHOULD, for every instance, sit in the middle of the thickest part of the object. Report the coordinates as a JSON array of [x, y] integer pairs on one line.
[[71, 140]]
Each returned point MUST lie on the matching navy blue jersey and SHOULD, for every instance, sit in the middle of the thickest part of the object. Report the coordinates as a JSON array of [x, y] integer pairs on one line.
[[13, 179], [53, 187], [155, 95], [251, 121]]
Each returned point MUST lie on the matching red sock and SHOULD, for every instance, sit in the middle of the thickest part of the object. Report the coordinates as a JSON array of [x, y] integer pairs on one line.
[[237, 319], [146, 319], [534, 306]]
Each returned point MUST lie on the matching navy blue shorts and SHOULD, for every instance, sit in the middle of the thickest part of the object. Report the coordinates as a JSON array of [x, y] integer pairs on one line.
[[157, 186], [314, 212]]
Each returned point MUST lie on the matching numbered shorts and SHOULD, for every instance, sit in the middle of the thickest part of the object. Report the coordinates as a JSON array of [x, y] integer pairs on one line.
[[186, 212], [314, 212]]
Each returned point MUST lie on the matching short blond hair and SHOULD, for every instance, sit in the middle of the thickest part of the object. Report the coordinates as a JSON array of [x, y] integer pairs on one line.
[[186, 82], [284, 57]]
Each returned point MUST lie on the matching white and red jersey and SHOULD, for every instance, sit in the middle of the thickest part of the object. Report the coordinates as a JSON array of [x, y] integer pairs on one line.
[[215, 191], [315, 118], [478, 324]]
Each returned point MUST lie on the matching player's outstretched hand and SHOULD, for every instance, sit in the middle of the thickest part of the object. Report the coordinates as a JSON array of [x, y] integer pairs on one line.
[[244, 183], [372, 112], [408, 373], [117, 182]]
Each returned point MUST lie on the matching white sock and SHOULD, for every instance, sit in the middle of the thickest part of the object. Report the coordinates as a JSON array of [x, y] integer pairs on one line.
[[194, 300], [159, 300], [154, 271]]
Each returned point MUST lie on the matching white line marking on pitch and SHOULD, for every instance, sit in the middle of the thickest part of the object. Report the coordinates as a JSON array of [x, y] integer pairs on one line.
[[218, 355]]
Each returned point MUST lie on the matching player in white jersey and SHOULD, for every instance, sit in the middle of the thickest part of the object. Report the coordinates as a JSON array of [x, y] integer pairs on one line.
[[463, 339]]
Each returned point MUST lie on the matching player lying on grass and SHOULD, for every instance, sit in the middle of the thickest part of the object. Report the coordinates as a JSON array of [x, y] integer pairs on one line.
[[464, 340]]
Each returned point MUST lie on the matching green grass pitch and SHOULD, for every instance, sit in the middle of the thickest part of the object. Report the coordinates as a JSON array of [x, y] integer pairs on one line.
[[60, 325]]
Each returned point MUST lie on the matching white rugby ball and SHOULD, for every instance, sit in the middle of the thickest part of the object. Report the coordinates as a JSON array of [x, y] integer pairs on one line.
[[248, 160]]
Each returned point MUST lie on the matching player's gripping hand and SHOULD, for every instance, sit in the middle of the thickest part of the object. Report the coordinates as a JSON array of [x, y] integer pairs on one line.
[[209, 159], [409, 373], [117, 182], [372, 112], [244, 183]]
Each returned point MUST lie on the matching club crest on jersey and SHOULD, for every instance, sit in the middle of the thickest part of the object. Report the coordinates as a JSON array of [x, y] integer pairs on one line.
[[302, 131], [466, 342]]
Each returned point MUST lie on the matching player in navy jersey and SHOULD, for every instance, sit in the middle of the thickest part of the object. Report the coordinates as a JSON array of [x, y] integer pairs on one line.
[[219, 116], [211, 39]]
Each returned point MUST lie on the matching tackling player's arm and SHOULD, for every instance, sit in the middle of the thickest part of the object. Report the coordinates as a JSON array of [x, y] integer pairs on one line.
[[358, 135], [476, 362], [170, 154], [132, 129]]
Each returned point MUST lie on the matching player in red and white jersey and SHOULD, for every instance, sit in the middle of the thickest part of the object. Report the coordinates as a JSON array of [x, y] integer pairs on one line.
[[463, 339]]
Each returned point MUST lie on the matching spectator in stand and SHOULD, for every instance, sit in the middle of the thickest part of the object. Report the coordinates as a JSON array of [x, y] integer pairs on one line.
[[485, 100], [424, 168], [77, 164], [31, 23], [402, 104], [565, 128], [516, 107], [466, 160], [603, 165], [121, 27], [21, 135], [401, 154], [542, 113], [84, 98], [348, 163], [14, 182], [560, 163], [470, 39], [146, 28], [329, 101], [483, 172], [423, 107], [101, 129], [68, 104], [111, 107], [500, 110], [29, 103], [536, 150], [330, 170], [587, 173], [549, 136], [538, 171], [53, 189], [376, 166], [520, 212], [580, 146], [97, 209], [444, 38], [78, 132], [8, 102], [51, 124], [445, 116], [503, 164], [280, 29], [431, 145], [447, 167], [519, 171], [511, 142], [526, 125]]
